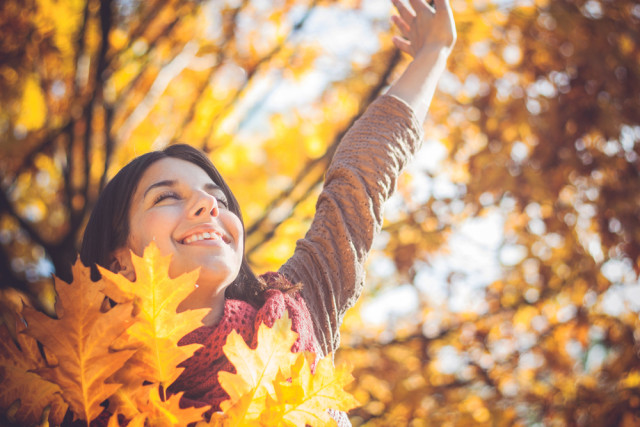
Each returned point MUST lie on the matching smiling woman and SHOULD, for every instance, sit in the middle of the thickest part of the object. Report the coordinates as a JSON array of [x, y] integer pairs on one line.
[[179, 206], [170, 197], [177, 199]]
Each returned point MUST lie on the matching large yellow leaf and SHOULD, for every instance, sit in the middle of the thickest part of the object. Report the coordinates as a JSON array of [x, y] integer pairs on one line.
[[79, 341], [159, 327], [256, 370], [304, 398], [29, 392]]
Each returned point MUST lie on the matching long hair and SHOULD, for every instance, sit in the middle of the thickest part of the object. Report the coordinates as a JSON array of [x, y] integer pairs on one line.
[[108, 226]]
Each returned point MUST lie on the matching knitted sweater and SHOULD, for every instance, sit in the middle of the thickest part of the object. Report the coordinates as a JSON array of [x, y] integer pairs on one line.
[[329, 261]]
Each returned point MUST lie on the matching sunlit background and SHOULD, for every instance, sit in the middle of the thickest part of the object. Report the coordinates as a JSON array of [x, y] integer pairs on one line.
[[503, 289]]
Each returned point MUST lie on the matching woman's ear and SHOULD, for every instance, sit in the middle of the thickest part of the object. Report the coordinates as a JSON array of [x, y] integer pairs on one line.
[[122, 263]]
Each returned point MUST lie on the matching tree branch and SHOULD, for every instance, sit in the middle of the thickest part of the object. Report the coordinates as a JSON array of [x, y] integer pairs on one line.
[[228, 35], [250, 73]]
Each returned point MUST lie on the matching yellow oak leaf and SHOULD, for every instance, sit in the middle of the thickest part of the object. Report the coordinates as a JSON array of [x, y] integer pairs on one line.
[[32, 393], [233, 416], [159, 327], [79, 341], [256, 369], [156, 412], [305, 398]]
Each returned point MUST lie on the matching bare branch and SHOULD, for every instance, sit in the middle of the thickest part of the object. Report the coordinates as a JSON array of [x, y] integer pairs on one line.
[[250, 73], [228, 36]]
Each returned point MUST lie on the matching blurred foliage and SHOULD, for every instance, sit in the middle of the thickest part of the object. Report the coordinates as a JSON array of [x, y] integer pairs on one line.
[[537, 122]]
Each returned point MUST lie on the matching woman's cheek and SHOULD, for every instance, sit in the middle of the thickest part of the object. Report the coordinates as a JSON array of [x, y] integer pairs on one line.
[[151, 227]]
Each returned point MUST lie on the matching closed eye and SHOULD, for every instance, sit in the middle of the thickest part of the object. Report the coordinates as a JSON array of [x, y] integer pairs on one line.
[[165, 195], [222, 201]]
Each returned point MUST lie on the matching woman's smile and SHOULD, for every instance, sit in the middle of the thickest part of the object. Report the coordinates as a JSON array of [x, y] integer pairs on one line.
[[206, 235]]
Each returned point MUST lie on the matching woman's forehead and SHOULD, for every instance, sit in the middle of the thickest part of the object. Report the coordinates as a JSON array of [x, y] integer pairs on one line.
[[173, 170]]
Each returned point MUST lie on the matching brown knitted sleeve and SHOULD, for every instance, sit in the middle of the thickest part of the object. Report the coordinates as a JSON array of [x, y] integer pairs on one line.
[[329, 261]]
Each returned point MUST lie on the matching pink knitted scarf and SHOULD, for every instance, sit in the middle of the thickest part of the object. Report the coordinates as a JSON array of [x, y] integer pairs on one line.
[[199, 380]]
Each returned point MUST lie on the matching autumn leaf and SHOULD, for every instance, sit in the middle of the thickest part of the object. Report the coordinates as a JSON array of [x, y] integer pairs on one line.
[[256, 370], [273, 386], [29, 392], [159, 327], [113, 421], [131, 397], [234, 416], [156, 412], [11, 303], [79, 340], [304, 398]]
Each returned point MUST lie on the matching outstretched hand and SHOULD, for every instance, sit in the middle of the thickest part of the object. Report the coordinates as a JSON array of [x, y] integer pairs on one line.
[[424, 29]]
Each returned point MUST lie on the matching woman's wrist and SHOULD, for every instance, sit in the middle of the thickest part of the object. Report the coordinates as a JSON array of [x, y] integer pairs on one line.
[[418, 82], [431, 56]]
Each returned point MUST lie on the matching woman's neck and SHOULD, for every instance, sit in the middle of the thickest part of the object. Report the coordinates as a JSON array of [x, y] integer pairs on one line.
[[198, 299]]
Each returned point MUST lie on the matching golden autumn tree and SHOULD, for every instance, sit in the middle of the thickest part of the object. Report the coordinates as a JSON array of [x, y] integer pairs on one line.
[[536, 129]]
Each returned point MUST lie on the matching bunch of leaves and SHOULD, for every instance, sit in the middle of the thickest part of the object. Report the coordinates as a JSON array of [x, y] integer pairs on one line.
[[93, 352], [274, 387], [126, 356]]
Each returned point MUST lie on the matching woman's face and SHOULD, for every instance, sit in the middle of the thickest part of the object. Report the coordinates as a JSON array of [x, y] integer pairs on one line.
[[177, 205]]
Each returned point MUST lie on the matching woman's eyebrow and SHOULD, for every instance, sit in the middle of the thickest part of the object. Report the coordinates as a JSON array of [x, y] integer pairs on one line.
[[165, 183]]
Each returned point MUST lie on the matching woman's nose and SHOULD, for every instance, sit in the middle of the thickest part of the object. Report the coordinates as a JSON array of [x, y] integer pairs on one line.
[[204, 204]]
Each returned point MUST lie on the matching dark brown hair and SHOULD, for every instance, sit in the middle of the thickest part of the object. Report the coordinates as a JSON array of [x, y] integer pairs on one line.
[[108, 226]]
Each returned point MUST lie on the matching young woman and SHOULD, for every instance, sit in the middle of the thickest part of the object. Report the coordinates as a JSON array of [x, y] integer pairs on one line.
[[176, 198]]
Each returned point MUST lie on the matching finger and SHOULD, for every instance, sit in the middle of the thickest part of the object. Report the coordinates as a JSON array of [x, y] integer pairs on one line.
[[421, 6], [406, 14], [402, 44], [404, 28]]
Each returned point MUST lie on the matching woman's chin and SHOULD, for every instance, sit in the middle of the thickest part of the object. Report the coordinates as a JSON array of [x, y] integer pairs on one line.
[[213, 272]]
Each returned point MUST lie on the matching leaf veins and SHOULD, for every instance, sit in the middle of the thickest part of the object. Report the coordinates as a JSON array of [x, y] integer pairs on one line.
[[79, 340]]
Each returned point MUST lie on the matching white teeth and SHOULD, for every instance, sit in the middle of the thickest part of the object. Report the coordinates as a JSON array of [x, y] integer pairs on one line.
[[203, 236]]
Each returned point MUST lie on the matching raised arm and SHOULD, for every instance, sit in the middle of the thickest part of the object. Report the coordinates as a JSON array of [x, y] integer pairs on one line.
[[428, 36], [329, 261]]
